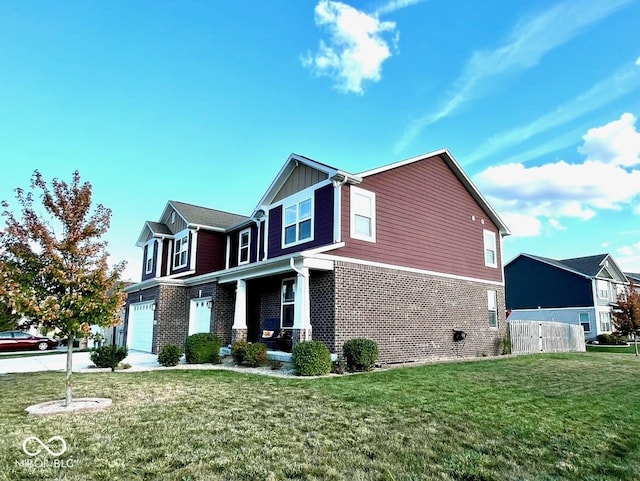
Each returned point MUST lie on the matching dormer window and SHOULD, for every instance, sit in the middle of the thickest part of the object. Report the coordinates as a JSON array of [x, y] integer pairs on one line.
[[173, 217], [180, 252], [149, 257], [244, 246], [298, 222]]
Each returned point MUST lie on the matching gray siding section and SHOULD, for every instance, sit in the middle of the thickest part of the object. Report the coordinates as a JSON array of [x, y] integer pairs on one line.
[[302, 177]]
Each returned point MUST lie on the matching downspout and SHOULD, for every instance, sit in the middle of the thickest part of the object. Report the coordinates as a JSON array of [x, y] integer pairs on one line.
[[337, 208]]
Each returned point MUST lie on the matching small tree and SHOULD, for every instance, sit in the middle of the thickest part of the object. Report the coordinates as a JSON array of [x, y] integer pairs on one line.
[[626, 315], [53, 269]]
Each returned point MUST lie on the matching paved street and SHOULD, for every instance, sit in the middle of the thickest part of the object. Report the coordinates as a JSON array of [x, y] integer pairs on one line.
[[81, 361]]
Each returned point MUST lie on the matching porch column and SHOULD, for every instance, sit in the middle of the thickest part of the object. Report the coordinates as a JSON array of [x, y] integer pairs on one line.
[[302, 311], [239, 328]]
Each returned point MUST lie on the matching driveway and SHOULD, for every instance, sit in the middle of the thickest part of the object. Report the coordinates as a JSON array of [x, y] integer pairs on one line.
[[58, 362]]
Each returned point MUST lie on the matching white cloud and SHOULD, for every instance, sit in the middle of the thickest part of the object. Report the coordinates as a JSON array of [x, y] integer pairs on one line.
[[556, 224], [629, 257], [356, 48], [528, 42], [623, 81], [522, 225], [393, 5], [572, 190], [616, 143]]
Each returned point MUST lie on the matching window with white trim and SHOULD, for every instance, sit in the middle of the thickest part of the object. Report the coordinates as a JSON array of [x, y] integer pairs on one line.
[[149, 257], [603, 289], [363, 214], [605, 321], [288, 301], [492, 306], [297, 225], [244, 246], [585, 321], [490, 251], [180, 251]]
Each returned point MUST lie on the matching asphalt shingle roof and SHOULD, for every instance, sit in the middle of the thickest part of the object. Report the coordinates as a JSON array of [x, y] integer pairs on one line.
[[589, 265], [158, 228], [195, 214]]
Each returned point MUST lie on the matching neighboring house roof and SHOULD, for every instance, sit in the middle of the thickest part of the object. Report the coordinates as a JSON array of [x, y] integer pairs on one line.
[[206, 217], [633, 275], [589, 266], [455, 167]]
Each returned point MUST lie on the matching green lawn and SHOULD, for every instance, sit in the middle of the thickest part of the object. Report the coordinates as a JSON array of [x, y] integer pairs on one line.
[[630, 349], [542, 417]]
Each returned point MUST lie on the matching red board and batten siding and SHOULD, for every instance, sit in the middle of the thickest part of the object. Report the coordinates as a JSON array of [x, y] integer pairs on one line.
[[424, 221]]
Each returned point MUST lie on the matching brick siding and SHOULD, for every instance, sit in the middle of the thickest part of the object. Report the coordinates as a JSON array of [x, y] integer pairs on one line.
[[322, 301], [172, 314], [224, 308], [412, 316]]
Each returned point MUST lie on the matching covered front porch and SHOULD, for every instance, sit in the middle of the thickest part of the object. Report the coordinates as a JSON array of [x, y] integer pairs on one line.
[[273, 302]]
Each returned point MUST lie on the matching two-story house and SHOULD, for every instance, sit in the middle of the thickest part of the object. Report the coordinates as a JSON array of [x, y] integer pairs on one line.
[[403, 254], [581, 291]]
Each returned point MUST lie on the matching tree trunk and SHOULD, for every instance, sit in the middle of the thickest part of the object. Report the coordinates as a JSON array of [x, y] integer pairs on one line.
[[69, 385], [635, 341]]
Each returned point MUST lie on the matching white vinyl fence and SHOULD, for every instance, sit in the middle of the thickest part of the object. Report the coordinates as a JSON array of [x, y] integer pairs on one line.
[[528, 337]]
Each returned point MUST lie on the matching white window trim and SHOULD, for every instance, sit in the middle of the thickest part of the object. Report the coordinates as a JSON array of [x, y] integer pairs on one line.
[[492, 306], [248, 247], [179, 237], [490, 236], [150, 248], [352, 214], [287, 303], [295, 200], [608, 321]]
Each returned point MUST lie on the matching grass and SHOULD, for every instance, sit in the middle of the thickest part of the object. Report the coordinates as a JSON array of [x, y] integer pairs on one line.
[[543, 417], [630, 349]]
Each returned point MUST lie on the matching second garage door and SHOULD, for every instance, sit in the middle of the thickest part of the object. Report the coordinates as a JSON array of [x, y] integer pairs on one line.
[[140, 332]]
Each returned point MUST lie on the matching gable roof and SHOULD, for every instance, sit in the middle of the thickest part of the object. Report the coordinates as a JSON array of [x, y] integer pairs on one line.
[[589, 266], [289, 166], [455, 167]]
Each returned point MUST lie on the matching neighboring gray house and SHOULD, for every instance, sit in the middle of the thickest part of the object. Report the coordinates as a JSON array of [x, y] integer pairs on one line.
[[581, 291]]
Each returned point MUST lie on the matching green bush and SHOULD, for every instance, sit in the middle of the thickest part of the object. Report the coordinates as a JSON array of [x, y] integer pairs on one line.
[[169, 355], [255, 355], [311, 358], [101, 357], [611, 339], [238, 351], [360, 354], [202, 347]]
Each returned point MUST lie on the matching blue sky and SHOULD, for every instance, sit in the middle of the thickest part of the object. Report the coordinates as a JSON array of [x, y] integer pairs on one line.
[[203, 101]]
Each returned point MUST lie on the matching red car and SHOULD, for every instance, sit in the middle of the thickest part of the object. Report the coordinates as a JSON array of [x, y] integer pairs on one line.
[[18, 340]]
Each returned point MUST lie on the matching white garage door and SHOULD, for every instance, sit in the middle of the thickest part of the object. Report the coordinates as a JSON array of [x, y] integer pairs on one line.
[[140, 332], [200, 315]]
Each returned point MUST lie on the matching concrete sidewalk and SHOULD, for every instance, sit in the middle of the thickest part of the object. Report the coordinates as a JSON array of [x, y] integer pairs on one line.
[[81, 361]]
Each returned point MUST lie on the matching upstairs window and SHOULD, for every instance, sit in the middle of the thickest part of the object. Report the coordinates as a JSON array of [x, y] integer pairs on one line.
[[603, 289], [244, 246], [298, 222], [490, 254], [149, 258], [363, 214], [492, 306], [180, 252]]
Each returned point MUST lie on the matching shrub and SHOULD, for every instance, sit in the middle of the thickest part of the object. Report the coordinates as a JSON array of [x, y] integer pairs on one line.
[[238, 351], [169, 355], [202, 347], [311, 358], [360, 354], [255, 355], [101, 357], [611, 339]]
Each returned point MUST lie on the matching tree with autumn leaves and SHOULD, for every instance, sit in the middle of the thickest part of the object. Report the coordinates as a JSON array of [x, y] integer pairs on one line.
[[626, 314], [53, 262]]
